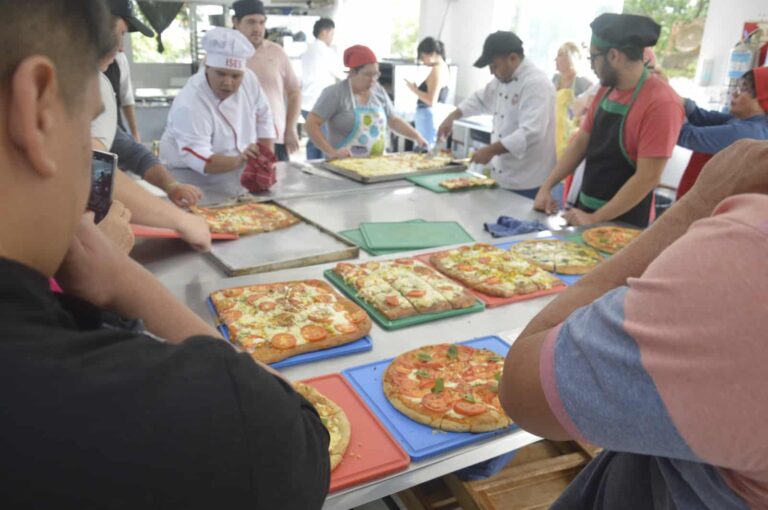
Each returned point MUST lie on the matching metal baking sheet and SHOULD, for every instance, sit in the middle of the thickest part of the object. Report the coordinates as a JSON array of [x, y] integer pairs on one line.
[[303, 244], [453, 167]]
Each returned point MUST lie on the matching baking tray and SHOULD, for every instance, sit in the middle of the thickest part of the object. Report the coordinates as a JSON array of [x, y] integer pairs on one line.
[[397, 323], [363, 344], [356, 237], [413, 236], [304, 244], [372, 452], [494, 301], [432, 182], [420, 441], [451, 167]]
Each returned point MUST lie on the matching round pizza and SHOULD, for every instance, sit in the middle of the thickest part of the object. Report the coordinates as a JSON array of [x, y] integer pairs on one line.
[[334, 419], [609, 239], [564, 257], [448, 387]]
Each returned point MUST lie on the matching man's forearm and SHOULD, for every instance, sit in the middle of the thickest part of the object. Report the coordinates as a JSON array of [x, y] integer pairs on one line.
[[146, 209], [159, 176], [220, 164], [129, 112], [293, 109], [629, 195]]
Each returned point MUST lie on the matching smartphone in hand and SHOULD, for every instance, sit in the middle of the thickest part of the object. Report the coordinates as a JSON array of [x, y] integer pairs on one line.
[[103, 168]]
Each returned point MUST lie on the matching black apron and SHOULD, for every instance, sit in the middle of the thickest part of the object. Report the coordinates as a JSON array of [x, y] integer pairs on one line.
[[608, 165]]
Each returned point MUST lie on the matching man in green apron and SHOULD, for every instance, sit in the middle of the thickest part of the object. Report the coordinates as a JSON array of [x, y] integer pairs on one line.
[[628, 133]]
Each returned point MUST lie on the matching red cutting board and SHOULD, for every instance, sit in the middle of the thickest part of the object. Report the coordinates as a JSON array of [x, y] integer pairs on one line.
[[372, 453], [494, 301], [167, 233]]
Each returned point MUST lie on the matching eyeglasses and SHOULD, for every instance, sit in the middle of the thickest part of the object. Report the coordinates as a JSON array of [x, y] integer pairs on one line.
[[593, 56], [743, 88], [373, 76]]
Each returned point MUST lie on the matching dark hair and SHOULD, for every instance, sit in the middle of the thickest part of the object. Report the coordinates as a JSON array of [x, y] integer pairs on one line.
[[430, 45], [633, 53], [74, 34], [748, 80], [322, 24]]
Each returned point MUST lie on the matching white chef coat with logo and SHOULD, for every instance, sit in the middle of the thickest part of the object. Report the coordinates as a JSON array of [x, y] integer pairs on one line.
[[523, 121], [201, 125]]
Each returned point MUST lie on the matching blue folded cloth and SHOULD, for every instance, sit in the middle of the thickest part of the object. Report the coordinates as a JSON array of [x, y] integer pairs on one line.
[[509, 226]]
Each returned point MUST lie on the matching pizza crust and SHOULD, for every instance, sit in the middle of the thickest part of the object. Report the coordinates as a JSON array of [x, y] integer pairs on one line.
[[335, 421]]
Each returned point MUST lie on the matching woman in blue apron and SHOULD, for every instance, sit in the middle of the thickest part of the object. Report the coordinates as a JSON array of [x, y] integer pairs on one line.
[[356, 111]]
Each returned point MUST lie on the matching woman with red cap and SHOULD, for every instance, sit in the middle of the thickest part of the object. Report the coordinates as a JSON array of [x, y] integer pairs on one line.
[[357, 111], [708, 132]]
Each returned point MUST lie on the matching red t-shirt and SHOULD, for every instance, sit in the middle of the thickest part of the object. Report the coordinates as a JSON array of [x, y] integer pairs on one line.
[[654, 120]]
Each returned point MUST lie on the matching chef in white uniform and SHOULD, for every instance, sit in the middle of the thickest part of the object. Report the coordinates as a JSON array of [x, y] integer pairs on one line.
[[217, 118]]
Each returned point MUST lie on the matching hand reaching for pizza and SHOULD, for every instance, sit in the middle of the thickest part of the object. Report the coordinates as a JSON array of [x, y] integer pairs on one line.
[[194, 230], [184, 195], [578, 217], [338, 154]]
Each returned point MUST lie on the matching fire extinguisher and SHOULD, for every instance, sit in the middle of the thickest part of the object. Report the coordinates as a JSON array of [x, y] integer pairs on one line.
[[740, 60]]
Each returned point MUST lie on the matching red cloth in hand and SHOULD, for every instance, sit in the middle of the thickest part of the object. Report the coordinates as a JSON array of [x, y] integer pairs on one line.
[[259, 174]]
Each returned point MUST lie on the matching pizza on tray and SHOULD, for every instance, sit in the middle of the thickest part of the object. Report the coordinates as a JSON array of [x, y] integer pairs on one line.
[[245, 219], [493, 271], [609, 239], [564, 257], [274, 321], [404, 287], [448, 387], [460, 183], [334, 419], [390, 164]]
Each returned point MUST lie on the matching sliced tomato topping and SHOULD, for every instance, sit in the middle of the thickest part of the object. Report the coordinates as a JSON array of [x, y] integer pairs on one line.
[[232, 331], [267, 306], [492, 280], [465, 267], [416, 293], [437, 402], [232, 315], [404, 262], [484, 260], [225, 304], [324, 298], [346, 327], [356, 316], [321, 315], [469, 408], [426, 382], [314, 333], [233, 292], [392, 300], [422, 270], [283, 341]]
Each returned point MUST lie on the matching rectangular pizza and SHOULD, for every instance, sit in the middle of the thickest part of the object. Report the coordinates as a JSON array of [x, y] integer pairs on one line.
[[493, 271], [390, 164], [274, 321], [404, 287], [245, 219]]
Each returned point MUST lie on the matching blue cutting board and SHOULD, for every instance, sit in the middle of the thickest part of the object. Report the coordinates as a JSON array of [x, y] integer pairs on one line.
[[362, 345], [569, 279], [420, 441]]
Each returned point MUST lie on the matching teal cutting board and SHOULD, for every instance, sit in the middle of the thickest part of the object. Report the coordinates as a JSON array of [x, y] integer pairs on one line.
[[432, 181], [356, 237], [413, 236]]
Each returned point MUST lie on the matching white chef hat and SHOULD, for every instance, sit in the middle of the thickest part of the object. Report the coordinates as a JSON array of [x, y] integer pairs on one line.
[[227, 48]]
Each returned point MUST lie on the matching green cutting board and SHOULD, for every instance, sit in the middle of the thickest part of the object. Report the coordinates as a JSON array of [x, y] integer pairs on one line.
[[413, 236], [356, 237], [405, 322], [432, 181]]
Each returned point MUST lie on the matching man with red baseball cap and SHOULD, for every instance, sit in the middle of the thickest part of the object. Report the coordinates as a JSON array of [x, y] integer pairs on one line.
[[708, 132]]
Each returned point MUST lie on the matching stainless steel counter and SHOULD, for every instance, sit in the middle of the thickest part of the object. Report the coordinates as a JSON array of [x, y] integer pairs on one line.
[[191, 277]]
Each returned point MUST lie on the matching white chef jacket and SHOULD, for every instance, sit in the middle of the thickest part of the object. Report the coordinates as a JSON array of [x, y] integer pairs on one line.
[[103, 127], [523, 121], [201, 125], [320, 68]]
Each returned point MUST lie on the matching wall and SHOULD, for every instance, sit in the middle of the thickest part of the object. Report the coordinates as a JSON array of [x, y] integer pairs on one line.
[[721, 33]]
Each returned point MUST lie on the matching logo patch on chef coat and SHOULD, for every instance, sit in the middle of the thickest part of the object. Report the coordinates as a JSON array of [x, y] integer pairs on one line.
[[234, 63], [515, 99]]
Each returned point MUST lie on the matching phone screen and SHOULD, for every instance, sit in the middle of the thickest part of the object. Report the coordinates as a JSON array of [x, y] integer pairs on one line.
[[103, 167]]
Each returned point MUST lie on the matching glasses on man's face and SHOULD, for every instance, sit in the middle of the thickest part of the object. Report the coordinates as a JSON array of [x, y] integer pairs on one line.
[[743, 88], [371, 76]]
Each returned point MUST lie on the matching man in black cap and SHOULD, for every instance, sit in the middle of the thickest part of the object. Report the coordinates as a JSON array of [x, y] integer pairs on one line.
[[522, 101], [275, 73], [119, 72], [627, 135]]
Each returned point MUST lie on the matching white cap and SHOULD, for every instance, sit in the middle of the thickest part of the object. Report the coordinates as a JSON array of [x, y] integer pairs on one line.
[[227, 48]]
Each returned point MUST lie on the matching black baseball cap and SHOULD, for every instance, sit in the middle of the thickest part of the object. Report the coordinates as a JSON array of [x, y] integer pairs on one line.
[[499, 44], [611, 30], [124, 9], [244, 8]]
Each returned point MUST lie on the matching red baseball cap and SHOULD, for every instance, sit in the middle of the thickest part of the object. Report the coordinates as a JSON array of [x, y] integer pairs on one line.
[[359, 55], [761, 86]]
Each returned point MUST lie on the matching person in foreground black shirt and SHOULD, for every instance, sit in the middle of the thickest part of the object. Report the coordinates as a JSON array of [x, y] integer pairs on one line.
[[96, 411]]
